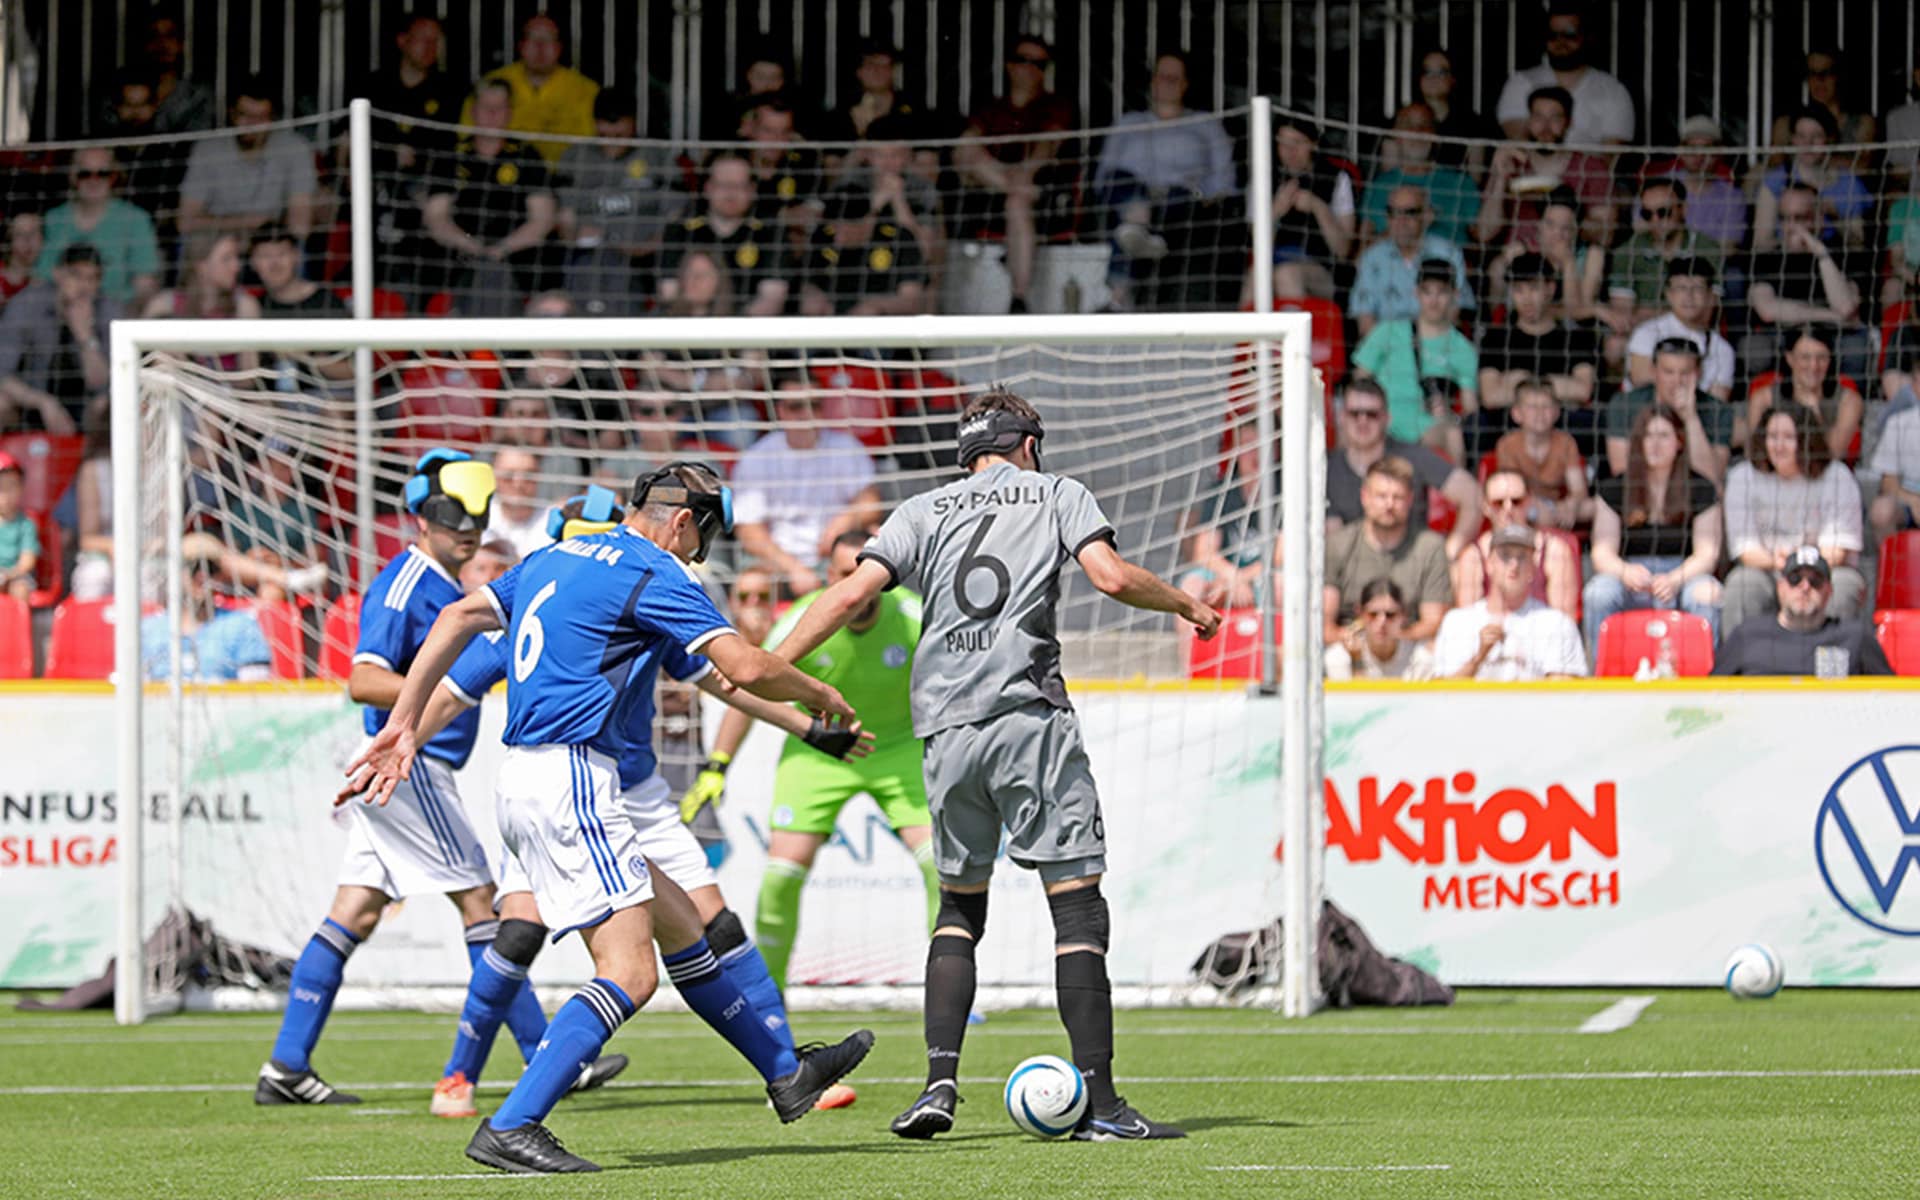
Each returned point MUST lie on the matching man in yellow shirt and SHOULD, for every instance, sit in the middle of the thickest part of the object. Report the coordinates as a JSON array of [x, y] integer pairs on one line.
[[547, 97]]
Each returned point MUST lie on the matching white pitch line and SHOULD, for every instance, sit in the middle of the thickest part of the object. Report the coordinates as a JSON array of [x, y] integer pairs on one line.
[[141, 1089], [1618, 1015], [108, 1037], [1313, 1167]]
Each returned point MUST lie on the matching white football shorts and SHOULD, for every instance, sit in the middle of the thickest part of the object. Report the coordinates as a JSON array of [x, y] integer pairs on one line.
[[419, 842], [561, 815], [664, 837]]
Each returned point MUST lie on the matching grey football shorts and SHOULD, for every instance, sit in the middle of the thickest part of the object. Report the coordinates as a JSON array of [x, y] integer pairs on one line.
[[1026, 771]]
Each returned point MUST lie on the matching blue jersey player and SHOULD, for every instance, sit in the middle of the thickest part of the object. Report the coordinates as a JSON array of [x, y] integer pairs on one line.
[[670, 847], [588, 622], [422, 842]]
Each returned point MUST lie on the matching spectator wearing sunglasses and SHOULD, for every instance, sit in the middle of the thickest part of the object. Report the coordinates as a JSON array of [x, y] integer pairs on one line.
[[122, 233], [1364, 442], [1603, 108], [1636, 284], [1823, 89], [1017, 166], [1802, 638], [1375, 645]]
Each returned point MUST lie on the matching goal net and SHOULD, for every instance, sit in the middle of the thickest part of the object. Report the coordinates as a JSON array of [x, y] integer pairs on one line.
[[256, 494]]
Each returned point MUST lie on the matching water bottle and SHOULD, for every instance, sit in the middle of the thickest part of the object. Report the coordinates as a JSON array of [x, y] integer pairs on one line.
[[1070, 296], [1664, 666]]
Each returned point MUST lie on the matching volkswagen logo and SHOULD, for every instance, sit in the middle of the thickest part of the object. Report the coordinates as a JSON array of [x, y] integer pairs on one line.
[[1867, 839]]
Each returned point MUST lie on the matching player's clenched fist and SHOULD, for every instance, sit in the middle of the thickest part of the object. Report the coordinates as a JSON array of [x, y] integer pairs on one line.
[[1205, 620], [708, 786]]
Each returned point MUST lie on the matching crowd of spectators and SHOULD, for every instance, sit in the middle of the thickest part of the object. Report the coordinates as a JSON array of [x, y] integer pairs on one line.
[[1585, 378]]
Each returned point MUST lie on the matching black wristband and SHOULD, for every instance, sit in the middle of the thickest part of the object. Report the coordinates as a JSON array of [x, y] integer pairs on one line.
[[834, 740], [717, 764]]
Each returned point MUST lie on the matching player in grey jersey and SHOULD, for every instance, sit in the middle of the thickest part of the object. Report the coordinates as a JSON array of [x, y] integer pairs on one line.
[[1002, 742]]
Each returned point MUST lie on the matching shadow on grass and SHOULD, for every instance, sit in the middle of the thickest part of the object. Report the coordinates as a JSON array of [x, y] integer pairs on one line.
[[709, 1156], [1200, 1124], [623, 1101]]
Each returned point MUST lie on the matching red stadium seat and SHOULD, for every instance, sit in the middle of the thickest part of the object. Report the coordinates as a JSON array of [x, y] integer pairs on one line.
[[339, 633], [1234, 652], [1891, 318], [82, 642], [1628, 637], [16, 639], [280, 621], [49, 574], [47, 465], [1899, 585], [853, 397], [1899, 633]]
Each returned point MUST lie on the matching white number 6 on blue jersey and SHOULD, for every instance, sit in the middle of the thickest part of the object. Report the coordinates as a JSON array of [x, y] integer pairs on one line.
[[532, 638]]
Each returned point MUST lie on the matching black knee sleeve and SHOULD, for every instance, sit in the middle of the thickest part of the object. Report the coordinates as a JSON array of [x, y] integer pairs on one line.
[[725, 933], [519, 942], [1080, 918], [963, 910]]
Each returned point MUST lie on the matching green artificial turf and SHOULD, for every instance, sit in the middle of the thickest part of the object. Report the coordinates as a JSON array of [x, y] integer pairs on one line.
[[1812, 1093]]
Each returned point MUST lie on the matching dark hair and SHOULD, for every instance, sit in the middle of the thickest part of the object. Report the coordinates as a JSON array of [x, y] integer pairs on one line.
[[1534, 383], [80, 252], [789, 377], [857, 538], [1642, 508], [1678, 344], [271, 232], [255, 87], [1366, 387], [1563, 196], [1690, 266], [1383, 585], [1817, 113], [1811, 452], [493, 85], [1000, 398], [874, 47], [890, 127], [1679, 186], [1298, 124], [1555, 93], [723, 296], [1531, 265], [1435, 270], [614, 104]]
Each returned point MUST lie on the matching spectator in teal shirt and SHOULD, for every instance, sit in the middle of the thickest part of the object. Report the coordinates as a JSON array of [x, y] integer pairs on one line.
[[19, 539], [1429, 370], [122, 233]]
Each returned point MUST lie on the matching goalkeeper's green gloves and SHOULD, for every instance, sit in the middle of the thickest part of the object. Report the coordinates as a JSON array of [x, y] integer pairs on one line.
[[708, 786]]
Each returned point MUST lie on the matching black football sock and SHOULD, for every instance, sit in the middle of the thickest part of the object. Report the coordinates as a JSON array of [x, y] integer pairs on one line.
[[950, 981], [1086, 1009]]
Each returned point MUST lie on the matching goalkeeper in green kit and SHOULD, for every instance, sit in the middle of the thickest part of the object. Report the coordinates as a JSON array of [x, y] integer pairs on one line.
[[871, 662]]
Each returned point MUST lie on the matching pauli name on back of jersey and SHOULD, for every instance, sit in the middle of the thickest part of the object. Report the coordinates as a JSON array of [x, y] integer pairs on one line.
[[1019, 493]]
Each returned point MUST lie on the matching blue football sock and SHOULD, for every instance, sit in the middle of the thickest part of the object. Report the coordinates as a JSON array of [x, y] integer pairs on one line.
[[494, 985], [527, 1021], [710, 992], [316, 980], [578, 1031], [748, 971]]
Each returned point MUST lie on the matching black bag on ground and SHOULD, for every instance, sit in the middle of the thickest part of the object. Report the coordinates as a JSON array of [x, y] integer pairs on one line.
[[1352, 969]]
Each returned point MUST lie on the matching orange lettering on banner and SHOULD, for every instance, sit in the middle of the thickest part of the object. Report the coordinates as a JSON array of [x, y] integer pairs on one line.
[[57, 852], [1388, 815]]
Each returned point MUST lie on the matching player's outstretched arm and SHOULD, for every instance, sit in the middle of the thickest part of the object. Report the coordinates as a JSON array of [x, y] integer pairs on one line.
[[1138, 587], [830, 737], [390, 754], [749, 667], [833, 608], [442, 708]]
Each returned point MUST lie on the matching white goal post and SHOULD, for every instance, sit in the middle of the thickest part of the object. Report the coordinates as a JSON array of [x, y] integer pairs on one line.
[[150, 407]]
